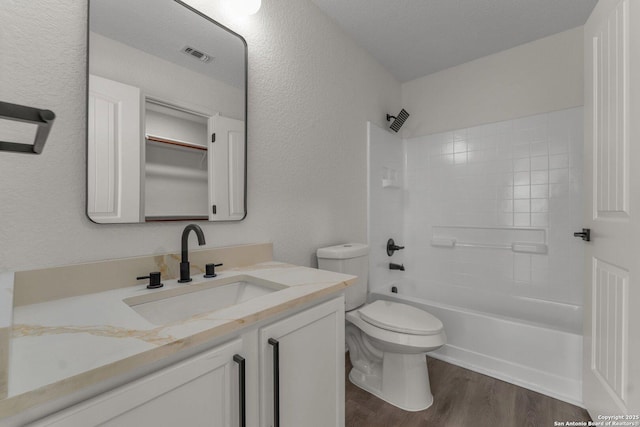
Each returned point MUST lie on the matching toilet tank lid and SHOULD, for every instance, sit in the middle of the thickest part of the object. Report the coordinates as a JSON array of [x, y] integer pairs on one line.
[[345, 251]]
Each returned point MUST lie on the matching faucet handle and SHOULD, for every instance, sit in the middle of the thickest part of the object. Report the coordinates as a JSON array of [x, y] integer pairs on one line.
[[155, 278], [210, 270], [392, 247]]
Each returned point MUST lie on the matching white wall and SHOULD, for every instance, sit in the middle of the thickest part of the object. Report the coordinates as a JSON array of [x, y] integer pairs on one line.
[[311, 91], [538, 77]]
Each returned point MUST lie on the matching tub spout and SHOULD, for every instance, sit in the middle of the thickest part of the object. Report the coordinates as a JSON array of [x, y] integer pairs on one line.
[[393, 266]]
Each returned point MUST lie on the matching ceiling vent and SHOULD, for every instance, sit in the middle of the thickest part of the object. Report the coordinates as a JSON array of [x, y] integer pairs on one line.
[[197, 54]]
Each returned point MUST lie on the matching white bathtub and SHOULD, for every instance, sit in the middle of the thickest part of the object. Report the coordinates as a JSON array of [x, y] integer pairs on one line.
[[532, 355]]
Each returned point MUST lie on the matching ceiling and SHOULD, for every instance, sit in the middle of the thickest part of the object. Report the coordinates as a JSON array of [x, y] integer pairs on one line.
[[414, 38]]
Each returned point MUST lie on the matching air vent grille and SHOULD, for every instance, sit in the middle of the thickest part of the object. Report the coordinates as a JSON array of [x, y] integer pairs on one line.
[[197, 54]]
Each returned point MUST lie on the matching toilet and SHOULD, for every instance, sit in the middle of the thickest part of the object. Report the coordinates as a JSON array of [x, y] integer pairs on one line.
[[387, 341]]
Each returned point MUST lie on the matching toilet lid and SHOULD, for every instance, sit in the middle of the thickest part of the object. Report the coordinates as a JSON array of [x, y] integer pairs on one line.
[[394, 316]]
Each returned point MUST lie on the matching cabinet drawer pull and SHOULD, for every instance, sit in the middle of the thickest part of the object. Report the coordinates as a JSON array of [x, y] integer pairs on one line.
[[276, 381], [242, 387]]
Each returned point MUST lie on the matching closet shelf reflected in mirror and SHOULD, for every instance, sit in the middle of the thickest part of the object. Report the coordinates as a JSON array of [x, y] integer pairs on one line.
[[177, 144], [176, 167]]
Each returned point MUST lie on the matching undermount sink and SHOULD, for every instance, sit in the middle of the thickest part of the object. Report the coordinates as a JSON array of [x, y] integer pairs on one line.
[[190, 300]]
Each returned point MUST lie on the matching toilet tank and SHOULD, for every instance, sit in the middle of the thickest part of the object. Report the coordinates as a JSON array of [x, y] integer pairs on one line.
[[350, 258]]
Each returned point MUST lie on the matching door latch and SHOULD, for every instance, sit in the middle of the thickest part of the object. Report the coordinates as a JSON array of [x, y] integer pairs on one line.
[[585, 234]]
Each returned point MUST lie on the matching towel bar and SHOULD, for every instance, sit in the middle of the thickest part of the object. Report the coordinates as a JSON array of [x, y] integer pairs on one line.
[[20, 113]]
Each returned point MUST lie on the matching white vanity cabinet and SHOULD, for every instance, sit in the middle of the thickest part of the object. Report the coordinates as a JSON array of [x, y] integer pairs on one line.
[[207, 389], [199, 391], [302, 369]]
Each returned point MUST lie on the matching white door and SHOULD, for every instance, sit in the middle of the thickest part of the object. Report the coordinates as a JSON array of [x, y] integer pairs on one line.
[[226, 169], [611, 362], [310, 361], [114, 145], [202, 391]]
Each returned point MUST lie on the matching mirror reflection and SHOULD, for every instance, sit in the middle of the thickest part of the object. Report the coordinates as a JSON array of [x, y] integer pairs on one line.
[[166, 114]]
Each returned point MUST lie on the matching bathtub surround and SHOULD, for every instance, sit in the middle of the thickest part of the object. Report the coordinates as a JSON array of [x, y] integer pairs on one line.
[[488, 215], [6, 314], [501, 183], [298, 83]]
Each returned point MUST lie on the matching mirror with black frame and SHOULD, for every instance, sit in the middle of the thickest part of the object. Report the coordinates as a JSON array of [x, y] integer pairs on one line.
[[166, 114]]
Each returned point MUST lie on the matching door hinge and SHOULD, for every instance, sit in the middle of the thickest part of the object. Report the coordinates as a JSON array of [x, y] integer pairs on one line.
[[213, 208], [213, 137]]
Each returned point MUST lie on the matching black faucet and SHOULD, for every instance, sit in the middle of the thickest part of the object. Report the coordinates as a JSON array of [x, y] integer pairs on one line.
[[393, 266], [392, 247], [185, 273]]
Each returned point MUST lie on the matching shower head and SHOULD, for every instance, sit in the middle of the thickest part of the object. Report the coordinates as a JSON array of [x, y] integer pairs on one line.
[[398, 120]]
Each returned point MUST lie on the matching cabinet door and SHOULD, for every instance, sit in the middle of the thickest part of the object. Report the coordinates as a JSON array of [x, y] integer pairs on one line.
[[227, 169], [311, 369], [201, 391], [114, 141]]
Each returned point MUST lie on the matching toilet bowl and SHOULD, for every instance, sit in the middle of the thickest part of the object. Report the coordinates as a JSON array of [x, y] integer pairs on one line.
[[387, 341]]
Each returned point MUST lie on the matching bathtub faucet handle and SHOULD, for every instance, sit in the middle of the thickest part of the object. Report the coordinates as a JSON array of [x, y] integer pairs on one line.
[[392, 247]]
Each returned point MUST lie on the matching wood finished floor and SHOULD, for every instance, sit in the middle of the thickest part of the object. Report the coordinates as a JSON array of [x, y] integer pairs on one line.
[[462, 398]]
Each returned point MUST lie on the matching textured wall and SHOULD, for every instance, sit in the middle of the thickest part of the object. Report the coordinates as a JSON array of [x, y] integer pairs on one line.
[[311, 91], [537, 77]]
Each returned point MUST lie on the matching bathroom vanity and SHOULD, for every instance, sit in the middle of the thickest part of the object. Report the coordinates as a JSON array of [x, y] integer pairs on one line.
[[258, 345]]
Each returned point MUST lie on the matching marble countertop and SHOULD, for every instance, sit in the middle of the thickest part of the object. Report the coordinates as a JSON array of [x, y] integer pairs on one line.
[[61, 346]]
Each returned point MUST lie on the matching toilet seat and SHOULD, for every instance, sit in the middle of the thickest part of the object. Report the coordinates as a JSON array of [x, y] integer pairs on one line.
[[398, 317], [400, 342]]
